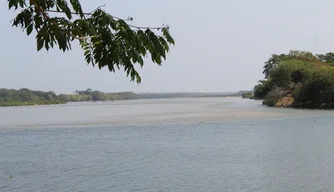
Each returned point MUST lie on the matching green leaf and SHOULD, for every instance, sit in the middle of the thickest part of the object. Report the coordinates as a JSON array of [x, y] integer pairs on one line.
[[10, 4], [16, 3], [168, 37], [68, 13], [164, 43], [87, 52], [138, 78], [29, 29], [97, 42], [77, 7], [22, 3], [40, 44], [46, 42]]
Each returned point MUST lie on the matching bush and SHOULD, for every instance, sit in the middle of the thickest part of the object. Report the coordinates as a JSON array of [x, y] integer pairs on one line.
[[318, 90], [248, 95], [274, 96], [261, 90]]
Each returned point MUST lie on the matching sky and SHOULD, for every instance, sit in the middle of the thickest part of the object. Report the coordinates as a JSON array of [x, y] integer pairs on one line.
[[221, 45]]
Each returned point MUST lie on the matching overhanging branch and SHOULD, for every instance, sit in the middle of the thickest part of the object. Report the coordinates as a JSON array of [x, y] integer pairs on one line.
[[128, 19]]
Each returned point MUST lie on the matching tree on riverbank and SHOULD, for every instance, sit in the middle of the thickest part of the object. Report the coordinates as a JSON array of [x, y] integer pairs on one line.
[[275, 59], [302, 78], [107, 41]]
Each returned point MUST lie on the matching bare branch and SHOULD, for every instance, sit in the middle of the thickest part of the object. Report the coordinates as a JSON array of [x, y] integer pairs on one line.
[[99, 7], [128, 19]]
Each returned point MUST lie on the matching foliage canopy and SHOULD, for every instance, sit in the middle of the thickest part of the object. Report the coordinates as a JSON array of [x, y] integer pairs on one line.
[[107, 41], [303, 76]]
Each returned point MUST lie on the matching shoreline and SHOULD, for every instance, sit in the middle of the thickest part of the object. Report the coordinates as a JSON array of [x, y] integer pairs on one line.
[[22, 104]]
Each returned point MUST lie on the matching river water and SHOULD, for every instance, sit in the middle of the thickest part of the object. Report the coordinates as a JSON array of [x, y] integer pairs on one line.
[[163, 145]]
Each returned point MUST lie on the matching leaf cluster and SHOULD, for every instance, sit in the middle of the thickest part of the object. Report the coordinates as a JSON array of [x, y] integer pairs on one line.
[[107, 41]]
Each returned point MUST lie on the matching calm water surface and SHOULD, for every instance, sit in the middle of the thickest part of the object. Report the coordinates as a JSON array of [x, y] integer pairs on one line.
[[166, 145]]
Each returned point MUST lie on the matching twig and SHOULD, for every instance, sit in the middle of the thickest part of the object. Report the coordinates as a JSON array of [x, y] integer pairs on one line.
[[46, 16], [74, 13], [129, 19], [98, 8]]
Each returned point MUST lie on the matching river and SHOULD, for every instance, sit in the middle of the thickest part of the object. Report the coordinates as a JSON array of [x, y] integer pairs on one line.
[[163, 145]]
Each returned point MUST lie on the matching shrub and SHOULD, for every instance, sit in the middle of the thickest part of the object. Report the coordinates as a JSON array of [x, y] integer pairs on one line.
[[261, 89], [274, 96]]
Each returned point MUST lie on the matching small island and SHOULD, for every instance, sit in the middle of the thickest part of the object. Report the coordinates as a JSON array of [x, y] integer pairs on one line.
[[26, 97], [298, 79]]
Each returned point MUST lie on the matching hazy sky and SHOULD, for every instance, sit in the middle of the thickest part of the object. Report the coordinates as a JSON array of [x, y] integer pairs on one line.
[[221, 45]]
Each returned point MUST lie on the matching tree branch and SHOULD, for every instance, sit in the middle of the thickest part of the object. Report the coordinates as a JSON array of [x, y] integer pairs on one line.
[[46, 16], [98, 8], [129, 19]]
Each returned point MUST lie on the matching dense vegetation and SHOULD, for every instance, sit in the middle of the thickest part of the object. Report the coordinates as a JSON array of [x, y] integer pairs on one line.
[[298, 79], [11, 97], [90, 95]]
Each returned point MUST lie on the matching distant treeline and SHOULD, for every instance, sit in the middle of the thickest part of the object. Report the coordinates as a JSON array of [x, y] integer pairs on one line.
[[90, 95], [12, 97], [180, 95], [242, 94]]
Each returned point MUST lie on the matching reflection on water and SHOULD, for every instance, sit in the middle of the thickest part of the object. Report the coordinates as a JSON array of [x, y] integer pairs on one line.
[[285, 150]]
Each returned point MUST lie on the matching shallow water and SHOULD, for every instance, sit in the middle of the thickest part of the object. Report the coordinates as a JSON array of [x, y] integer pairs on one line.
[[166, 145]]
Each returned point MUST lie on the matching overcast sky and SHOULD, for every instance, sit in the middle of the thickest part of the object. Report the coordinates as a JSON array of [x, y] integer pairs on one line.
[[221, 45]]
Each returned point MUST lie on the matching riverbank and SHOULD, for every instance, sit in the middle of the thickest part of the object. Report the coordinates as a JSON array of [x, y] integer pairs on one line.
[[14, 104]]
